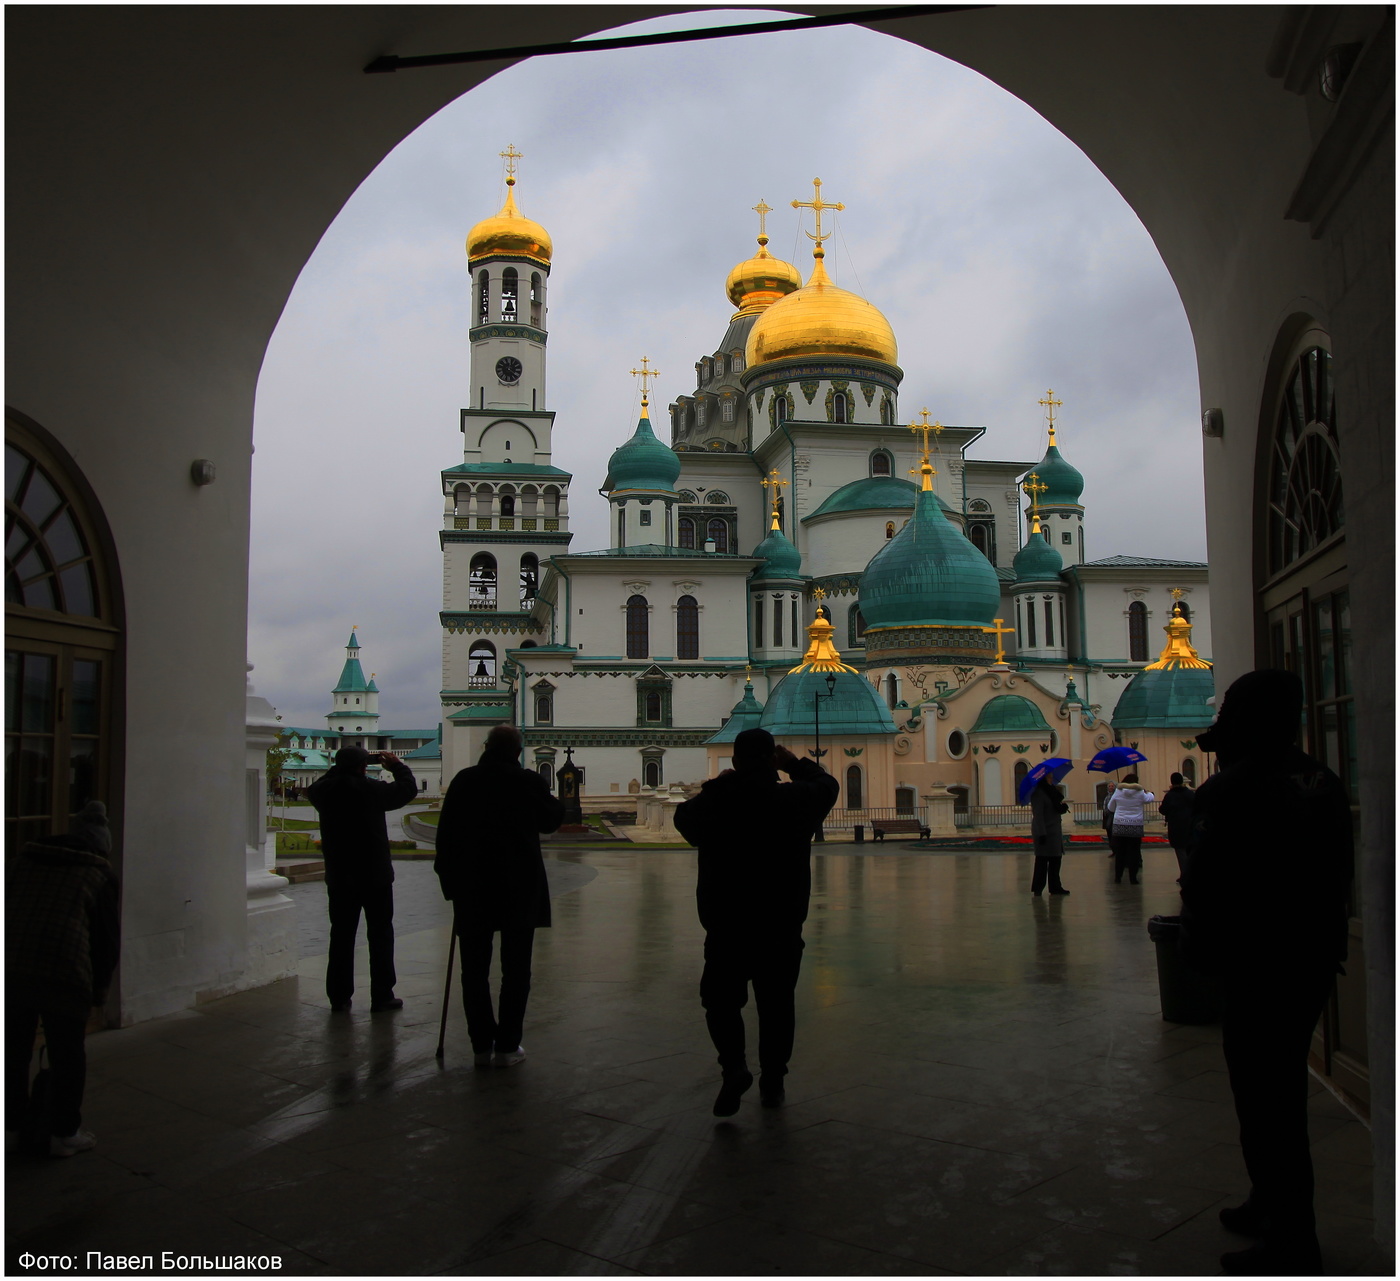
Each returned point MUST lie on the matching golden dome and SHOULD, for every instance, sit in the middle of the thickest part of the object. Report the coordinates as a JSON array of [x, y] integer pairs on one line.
[[822, 320], [760, 281], [509, 232]]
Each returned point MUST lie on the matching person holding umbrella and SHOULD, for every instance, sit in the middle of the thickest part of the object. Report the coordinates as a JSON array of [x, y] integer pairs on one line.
[[1114, 758], [1041, 788]]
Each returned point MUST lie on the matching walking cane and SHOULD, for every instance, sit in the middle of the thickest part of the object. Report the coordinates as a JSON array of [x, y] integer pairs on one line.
[[447, 991]]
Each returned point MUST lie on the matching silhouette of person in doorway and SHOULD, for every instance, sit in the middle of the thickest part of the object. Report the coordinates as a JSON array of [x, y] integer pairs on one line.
[[754, 835]]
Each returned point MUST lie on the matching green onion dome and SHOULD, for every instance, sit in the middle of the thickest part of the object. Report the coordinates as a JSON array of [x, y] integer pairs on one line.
[[1063, 483], [850, 706], [745, 714], [929, 574], [781, 558], [1037, 561], [873, 493], [1010, 714], [1167, 698], [642, 462]]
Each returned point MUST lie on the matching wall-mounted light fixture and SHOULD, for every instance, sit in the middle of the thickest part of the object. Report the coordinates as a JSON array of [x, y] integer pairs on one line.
[[1213, 423], [202, 471]]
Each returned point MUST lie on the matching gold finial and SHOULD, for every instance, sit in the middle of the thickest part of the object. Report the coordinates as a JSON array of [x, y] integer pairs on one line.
[[762, 210], [774, 482], [645, 373], [817, 204], [926, 469], [821, 655], [1178, 651], [1051, 404], [748, 674], [1034, 487], [510, 155], [999, 631]]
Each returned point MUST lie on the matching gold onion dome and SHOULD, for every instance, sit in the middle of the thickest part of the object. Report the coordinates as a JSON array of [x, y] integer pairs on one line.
[[760, 281], [509, 233], [821, 319]]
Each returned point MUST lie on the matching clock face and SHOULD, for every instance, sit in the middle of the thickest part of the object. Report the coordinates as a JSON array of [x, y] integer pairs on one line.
[[508, 369]]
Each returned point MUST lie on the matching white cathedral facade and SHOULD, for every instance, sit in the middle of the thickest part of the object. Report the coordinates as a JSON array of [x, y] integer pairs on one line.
[[965, 615]]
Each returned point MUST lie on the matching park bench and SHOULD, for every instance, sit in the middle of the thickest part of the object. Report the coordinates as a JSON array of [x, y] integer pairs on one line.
[[908, 826]]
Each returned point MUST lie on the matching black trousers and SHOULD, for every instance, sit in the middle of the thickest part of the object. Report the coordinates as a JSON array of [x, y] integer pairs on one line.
[[346, 902], [495, 1028], [732, 962], [1266, 1030], [1127, 856], [1046, 867], [67, 1063]]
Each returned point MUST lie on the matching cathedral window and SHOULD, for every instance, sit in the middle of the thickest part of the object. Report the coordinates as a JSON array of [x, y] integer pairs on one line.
[[644, 517], [653, 707], [651, 770], [1022, 769], [547, 773], [529, 579], [1305, 479], [839, 408], [794, 620], [685, 496], [780, 409], [1188, 771], [1137, 632], [510, 292], [536, 299], [544, 709], [638, 639], [726, 409], [700, 414], [719, 366], [481, 582], [778, 624], [719, 531], [855, 627], [855, 794], [758, 623], [892, 689], [880, 463], [1049, 621], [718, 498], [481, 665], [886, 411], [551, 501], [483, 298], [507, 504], [1185, 610], [736, 363], [685, 532], [1030, 622], [687, 628]]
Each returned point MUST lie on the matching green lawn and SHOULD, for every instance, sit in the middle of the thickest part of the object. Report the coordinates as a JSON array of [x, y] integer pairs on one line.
[[430, 817], [294, 824]]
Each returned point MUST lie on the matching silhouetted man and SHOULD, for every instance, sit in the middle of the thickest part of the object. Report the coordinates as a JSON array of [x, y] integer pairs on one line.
[[360, 871], [1265, 907], [755, 878], [1176, 806], [490, 866]]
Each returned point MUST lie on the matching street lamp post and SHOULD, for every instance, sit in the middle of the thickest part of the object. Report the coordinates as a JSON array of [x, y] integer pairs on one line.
[[817, 720]]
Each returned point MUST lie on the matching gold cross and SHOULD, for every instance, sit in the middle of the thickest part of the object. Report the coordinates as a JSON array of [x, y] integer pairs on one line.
[[510, 155], [1051, 404], [644, 373], [748, 674], [1034, 487], [816, 204], [762, 210], [935, 427], [999, 631], [774, 482]]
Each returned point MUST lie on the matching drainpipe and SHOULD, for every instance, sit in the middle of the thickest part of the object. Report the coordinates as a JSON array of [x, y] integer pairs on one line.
[[568, 600]]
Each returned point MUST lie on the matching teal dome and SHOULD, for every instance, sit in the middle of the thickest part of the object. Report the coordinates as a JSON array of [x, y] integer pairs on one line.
[[781, 558], [1063, 483], [873, 493], [928, 574], [1037, 561], [642, 462], [1167, 698], [745, 714], [1012, 714], [854, 708]]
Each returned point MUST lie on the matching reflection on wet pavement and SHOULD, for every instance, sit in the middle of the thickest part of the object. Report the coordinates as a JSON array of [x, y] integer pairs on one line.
[[982, 1084]]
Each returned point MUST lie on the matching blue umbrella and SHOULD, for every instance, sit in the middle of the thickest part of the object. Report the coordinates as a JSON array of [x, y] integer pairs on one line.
[[1112, 758], [1056, 767]]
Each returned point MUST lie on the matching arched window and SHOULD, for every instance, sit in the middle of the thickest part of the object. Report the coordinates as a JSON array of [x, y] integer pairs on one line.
[[892, 689], [718, 529], [653, 706], [838, 407], [687, 628], [880, 463], [685, 496], [485, 497], [758, 622], [1188, 771], [978, 534], [527, 644], [551, 501], [778, 624], [1137, 632], [1305, 477], [889, 530], [547, 773], [483, 298], [536, 299], [1030, 622], [1185, 610], [685, 532], [481, 582], [1022, 769], [481, 665], [886, 411], [462, 500], [507, 504], [544, 709], [529, 579], [855, 627], [510, 293], [904, 799], [651, 774], [717, 498], [638, 641], [855, 793], [780, 408], [1049, 621]]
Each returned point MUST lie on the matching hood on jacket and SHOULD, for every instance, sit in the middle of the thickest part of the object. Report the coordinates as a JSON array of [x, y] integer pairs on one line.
[[1261, 711], [1128, 787]]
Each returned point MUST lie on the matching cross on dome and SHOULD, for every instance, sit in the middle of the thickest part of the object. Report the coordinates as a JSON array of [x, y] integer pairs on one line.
[[817, 204], [999, 631], [774, 482], [644, 373], [762, 209], [926, 469], [1034, 487], [510, 155], [1051, 404]]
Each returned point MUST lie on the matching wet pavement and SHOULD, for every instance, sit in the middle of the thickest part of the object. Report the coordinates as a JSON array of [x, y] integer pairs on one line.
[[982, 1084]]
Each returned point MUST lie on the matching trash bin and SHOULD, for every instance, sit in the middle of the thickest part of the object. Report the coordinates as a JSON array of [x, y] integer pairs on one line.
[[860, 833], [1187, 996]]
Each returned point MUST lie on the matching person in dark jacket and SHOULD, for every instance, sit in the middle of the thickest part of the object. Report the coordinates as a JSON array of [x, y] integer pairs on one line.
[[754, 835], [490, 867], [360, 871], [1047, 805], [1176, 805], [1265, 906], [62, 937]]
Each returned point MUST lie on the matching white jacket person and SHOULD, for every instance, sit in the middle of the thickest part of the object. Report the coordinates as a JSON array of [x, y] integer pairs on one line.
[[1128, 805]]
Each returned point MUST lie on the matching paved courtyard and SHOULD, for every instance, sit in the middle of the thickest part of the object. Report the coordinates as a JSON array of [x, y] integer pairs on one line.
[[983, 1084]]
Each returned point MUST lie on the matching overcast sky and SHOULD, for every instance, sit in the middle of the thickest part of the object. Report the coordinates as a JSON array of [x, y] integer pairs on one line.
[[1004, 260]]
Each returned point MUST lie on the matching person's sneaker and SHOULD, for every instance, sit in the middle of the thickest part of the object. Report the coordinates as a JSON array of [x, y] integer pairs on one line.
[[771, 1094], [508, 1058], [1275, 1259], [72, 1144], [481, 1058], [731, 1090], [1245, 1220], [383, 1007], [340, 1007], [1060, 893]]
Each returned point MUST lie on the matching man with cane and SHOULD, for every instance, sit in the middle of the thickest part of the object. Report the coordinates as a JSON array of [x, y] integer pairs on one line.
[[490, 867]]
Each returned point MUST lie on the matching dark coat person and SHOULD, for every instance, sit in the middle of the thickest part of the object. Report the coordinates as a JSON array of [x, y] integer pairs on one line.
[[490, 867], [62, 937], [1177, 806], [1265, 906], [754, 835], [360, 871], [1047, 807]]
